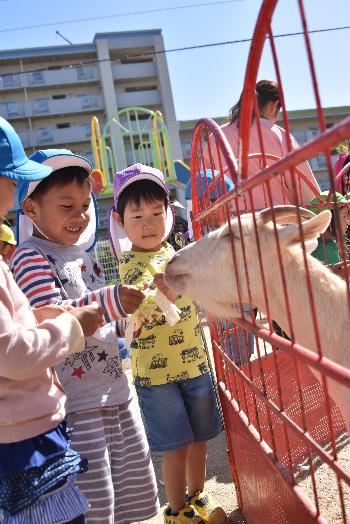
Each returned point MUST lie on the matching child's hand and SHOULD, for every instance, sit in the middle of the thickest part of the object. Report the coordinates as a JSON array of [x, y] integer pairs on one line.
[[130, 298], [90, 317], [161, 285], [50, 311]]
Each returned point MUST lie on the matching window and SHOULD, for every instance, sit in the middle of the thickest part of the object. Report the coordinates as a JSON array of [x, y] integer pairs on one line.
[[140, 88], [58, 97], [63, 125], [314, 131], [37, 77], [41, 105], [87, 130], [187, 148], [8, 80], [84, 73], [300, 136], [321, 161], [103, 215], [142, 116], [135, 60], [12, 109], [88, 101], [45, 134], [323, 183], [54, 68]]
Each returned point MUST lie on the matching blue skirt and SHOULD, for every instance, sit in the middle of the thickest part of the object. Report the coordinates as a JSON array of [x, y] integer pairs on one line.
[[35, 466]]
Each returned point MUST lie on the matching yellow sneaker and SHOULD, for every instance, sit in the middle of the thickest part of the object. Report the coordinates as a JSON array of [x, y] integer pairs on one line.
[[207, 508], [186, 515]]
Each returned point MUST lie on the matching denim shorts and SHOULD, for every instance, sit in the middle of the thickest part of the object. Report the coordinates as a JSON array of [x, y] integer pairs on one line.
[[179, 413]]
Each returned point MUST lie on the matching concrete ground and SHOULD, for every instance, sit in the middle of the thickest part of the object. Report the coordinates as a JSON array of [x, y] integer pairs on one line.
[[219, 482]]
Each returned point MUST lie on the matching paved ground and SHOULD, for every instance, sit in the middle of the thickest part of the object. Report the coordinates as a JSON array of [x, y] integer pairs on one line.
[[219, 481]]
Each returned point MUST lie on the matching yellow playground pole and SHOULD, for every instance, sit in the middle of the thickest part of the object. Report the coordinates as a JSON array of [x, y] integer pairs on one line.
[[98, 151], [168, 167]]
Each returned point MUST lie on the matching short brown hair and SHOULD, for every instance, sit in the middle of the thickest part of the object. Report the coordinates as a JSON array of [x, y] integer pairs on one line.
[[60, 178]]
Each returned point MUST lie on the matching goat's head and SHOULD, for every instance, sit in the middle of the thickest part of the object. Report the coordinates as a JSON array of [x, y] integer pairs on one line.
[[206, 271]]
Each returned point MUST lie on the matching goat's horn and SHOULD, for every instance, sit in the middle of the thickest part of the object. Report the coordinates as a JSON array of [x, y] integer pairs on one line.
[[285, 214]]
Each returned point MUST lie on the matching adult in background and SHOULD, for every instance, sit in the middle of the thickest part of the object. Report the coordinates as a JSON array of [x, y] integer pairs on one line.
[[275, 142]]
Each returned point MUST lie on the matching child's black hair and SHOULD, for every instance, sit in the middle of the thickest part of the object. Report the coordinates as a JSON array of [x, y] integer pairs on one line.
[[60, 178], [146, 190]]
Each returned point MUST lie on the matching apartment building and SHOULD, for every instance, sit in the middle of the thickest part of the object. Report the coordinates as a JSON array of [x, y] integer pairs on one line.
[[49, 94], [304, 127]]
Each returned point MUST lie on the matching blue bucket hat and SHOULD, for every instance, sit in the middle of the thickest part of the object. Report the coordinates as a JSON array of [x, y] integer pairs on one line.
[[56, 159], [14, 163]]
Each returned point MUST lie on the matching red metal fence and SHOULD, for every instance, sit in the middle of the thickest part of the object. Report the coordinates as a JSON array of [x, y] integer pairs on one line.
[[283, 428]]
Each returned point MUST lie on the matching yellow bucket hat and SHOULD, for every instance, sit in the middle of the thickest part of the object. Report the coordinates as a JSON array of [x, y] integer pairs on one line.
[[6, 235]]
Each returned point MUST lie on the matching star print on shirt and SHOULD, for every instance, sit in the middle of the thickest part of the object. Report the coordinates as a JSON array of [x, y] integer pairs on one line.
[[102, 356], [83, 267], [78, 372], [97, 270]]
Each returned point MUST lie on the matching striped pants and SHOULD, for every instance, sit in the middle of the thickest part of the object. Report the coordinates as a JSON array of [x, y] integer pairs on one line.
[[120, 484]]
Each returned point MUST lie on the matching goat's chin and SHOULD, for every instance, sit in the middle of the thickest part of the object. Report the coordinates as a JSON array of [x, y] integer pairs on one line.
[[221, 309]]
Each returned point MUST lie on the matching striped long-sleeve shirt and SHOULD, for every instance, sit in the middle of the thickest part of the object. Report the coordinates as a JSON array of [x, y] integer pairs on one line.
[[36, 278], [50, 273]]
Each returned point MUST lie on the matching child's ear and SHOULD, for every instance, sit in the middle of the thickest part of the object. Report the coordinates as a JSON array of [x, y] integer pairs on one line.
[[29, 208], [117, 219]]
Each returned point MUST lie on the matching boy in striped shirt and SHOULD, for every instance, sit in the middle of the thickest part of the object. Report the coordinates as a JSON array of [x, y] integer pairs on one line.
[[52, 265]]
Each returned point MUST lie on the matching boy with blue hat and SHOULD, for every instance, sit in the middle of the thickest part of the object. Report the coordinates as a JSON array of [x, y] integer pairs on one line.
[[56, 229], [169, 364], [37, 465]]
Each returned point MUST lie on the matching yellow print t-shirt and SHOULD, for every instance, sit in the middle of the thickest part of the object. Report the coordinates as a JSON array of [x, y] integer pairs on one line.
[[162, 353]]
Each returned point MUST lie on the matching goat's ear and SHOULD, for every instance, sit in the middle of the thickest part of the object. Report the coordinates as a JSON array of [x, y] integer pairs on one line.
[[312, 229]]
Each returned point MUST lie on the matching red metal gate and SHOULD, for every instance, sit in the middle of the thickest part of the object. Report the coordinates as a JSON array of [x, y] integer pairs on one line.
[[281, 422]]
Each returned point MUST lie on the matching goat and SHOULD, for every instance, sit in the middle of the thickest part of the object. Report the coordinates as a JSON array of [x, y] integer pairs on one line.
[[205, 272]]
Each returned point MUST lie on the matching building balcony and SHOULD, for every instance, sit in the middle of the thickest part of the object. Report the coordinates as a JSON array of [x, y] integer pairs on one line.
[[48, 136], [48, 107], [138, 98], [56, 77], [137, 70]]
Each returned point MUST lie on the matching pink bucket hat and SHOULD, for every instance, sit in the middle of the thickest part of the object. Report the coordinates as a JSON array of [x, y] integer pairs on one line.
[[118, 237]]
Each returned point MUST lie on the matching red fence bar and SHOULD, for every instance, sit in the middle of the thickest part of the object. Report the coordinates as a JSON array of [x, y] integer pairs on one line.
[[282, 392]]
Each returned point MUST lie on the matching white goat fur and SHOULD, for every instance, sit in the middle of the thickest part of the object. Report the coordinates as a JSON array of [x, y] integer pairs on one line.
[[204, 271]]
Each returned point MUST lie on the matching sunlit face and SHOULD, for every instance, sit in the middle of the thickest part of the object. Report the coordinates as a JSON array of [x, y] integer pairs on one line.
[[6, 250], [7, 195], [144, 224], [343, 219], [62, 213]]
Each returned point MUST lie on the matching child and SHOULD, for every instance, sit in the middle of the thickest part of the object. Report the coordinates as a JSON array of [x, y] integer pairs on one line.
[[37, 465], [327, 250], [169, 365], [7, 243], [53, 266]]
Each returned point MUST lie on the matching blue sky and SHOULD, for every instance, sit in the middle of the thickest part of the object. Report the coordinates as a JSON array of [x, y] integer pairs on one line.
[[205, 82]]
